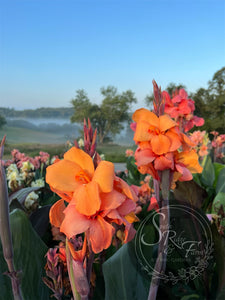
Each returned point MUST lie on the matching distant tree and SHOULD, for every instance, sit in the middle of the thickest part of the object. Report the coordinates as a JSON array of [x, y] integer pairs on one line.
[[2, 121], [109, 116], [210, 103]]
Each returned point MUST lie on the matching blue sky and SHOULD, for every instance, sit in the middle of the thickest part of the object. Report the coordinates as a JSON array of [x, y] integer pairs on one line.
[[51, 48]]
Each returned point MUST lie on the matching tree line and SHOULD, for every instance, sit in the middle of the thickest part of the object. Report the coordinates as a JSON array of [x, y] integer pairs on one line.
[[42, 112], [111, 115]]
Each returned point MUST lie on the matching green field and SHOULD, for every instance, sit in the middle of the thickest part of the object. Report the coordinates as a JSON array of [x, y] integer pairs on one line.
[[23, 135], [31, 142]]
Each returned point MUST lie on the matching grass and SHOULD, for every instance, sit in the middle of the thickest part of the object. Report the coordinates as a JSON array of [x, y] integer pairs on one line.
[[114, 152], [23, 135], [31, 142]]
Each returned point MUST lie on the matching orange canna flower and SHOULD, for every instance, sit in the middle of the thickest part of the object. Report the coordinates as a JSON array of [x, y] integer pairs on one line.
[[96, 197], [160, 132], [186, 163]]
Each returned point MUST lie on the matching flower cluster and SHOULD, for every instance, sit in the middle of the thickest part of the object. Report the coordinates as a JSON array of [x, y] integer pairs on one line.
[[201, 140], [56, 270], [20, 170], [218, 143], [19, 158], [161, 143], [181, 108], [92, 199]]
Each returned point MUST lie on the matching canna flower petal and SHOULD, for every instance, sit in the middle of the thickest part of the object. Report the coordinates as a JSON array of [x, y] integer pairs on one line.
[[56, 215], [142, 132], [115, 217], [111, 200], [74, 223], [149, 169], [146, 115], [87, 199], [81, 158], [144, 156], [100, 234], [126, 207], [61, 175], [162, 163], [78, 255], [104, 176], [175, 139], [165, 123], [153, 204], [160, 144], [190, 160], [121, 186], [185, 173], [131, 217]]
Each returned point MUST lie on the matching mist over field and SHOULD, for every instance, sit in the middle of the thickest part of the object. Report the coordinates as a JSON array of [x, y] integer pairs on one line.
[[52, 131]]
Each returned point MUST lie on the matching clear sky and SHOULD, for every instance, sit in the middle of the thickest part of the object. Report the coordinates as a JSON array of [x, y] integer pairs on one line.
[[51, 48]]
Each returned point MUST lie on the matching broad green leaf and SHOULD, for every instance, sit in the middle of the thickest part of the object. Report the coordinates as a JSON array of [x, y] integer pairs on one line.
[[189, 192], [123, 279], [29, 258], [40, 219], [217, 202], [208, 173], [220, 186], [190, 297], [219, 248], [217, 167]]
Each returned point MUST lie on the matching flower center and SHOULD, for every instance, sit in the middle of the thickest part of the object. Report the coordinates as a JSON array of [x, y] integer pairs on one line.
[[82, 177]]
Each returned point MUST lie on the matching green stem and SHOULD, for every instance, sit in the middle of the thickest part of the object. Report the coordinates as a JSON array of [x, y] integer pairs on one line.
[[164, 221], [5, 230]]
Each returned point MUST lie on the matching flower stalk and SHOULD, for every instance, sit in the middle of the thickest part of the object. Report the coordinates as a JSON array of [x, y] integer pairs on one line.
[[78, 278], [164, 223], [5, 231]]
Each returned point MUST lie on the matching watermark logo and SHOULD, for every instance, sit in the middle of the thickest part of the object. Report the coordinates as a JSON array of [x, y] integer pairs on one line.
[[188, 244]]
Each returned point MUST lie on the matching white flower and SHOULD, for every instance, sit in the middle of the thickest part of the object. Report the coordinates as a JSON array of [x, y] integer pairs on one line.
[[13, 177], [27, 166], [81, 143], [38, 183], [11, 169], [102, 156], [30, 200]]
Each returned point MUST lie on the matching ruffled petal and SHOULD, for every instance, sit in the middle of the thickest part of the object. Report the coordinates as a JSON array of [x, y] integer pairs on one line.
[[162, 163], [129, 232], [144, 157], [111, 200], [121, 186], [56, 215], [186, 174], [87, 199], [165, 123], [104, 176], [160, 144], [149, 169], [190, 160], [142, 131], [146, 115], [174, 139], [100, 234], [81, 158], [115, 217], [126, 207], [61, 175], [74, 223]]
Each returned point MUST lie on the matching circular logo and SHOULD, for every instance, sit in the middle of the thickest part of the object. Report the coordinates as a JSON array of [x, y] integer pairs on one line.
[[188, 244]]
